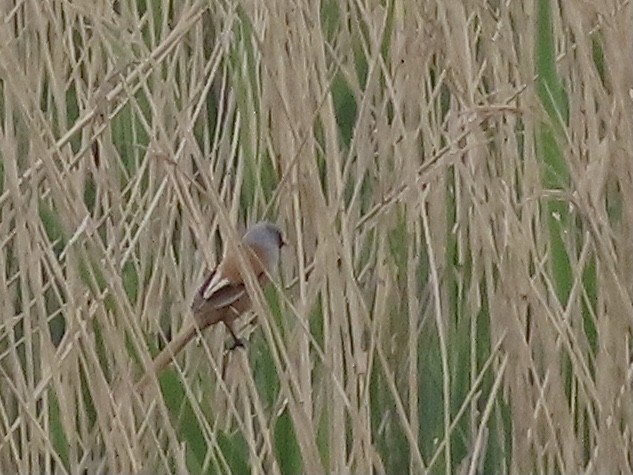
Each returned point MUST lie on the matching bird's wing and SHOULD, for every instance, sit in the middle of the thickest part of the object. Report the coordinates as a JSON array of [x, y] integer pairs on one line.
[[221, 292], [225, 286]]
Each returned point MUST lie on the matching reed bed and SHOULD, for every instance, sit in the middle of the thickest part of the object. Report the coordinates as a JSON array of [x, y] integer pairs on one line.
[[454, 180]]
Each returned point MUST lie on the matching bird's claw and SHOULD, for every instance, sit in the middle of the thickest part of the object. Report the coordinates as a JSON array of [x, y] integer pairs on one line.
[[238, 343]]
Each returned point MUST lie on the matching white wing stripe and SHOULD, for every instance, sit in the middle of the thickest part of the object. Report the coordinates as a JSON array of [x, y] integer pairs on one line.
[[215, 284]]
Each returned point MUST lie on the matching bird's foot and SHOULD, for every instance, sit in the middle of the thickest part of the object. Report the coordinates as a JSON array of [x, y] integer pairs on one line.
[[237, 343]]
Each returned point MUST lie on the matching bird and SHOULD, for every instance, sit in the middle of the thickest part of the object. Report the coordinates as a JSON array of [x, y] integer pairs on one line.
[[223, 296]]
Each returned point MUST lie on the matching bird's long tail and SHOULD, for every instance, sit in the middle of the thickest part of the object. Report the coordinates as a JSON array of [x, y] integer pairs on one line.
[[167, 355]]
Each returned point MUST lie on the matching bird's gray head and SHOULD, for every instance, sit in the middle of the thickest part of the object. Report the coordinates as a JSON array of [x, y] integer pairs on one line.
[[264, 234]]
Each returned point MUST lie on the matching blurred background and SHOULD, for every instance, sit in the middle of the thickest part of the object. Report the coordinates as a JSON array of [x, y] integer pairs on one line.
[[452, 178]]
